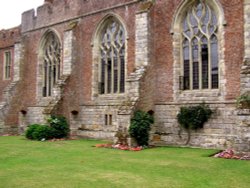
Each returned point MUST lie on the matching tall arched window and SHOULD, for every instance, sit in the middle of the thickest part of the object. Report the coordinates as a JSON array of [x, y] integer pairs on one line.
[[200, 47], [112, 58], [51, 63]]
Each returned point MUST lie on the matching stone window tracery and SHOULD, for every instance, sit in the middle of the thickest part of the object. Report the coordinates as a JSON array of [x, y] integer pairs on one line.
[[200, 48], [51, 63], [112, 63]]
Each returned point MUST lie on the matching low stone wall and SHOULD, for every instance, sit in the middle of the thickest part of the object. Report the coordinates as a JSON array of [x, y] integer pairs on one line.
[[227, 128]]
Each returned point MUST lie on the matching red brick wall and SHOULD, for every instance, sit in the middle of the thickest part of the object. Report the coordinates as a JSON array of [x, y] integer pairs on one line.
[[158, 83], [78, 88], [7, 42]]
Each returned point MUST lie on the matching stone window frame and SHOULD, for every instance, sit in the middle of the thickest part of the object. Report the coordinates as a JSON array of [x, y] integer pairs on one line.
[[176, 31], [96, 58], [7, 62], [40, 67], [108, 119]]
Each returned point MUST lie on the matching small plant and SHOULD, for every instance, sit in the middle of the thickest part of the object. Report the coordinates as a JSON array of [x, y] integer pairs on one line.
[[57, 128], [243, 101], [140, 127], [59, 125], [193, 117], [42, 132], [31, 129]]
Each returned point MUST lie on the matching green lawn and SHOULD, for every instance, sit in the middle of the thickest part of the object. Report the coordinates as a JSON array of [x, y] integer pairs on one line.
[[73, 164]]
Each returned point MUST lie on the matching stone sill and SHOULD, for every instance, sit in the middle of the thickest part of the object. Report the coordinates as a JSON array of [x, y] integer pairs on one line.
[[195, 102]]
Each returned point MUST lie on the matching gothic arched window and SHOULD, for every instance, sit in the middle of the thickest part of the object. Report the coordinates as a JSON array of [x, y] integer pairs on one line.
[[200, 47], [51, 63], [112, 58]]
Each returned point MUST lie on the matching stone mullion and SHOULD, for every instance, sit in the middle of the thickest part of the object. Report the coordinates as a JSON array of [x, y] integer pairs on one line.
[[112, 69], [106, 76], [47, 79], [119, 71], [209, 63], [200, 64], [191, 67]]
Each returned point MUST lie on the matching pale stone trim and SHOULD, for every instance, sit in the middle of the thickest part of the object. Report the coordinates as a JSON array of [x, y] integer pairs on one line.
[[17, 61], [245, 69], [141, 39], [247, 28], [67, 52]]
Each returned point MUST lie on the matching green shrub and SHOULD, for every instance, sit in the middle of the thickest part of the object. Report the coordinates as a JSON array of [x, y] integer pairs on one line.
[[38, 132], [140, 127], [42, 132], [30, 130], [57, 128], [59, 125], [193, 117]]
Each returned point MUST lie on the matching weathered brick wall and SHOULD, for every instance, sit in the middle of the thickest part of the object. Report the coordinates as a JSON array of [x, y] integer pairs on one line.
[[152, 71], [8, 38]]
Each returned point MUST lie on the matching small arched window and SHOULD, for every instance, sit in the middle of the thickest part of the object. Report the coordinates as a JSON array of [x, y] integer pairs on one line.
[[200, 47], [112, 57], [51, 63]]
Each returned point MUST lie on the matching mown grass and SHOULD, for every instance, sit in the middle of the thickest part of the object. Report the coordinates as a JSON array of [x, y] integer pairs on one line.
[[76, 164]]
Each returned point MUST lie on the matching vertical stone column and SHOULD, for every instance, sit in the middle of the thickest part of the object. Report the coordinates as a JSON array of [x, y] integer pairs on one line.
[[68, 52], [245, 70], [17, 61], [142, 39]]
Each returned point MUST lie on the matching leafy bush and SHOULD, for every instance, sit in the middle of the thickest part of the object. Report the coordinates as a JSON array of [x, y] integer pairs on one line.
[[193, 117], [59, 125], [30, 130], [140, 127], [57, 128], [42, 132]]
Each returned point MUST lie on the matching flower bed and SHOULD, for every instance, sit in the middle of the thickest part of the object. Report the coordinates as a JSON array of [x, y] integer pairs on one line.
[[231, 154], [120, 147]]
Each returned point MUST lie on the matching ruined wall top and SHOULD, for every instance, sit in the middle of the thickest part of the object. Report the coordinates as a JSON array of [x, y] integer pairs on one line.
[[9, 37], [54, 12]]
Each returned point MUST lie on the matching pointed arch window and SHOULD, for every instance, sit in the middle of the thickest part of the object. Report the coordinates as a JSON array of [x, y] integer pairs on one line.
[[7, 65], [112, 61], [51, 63], [200, 47]]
